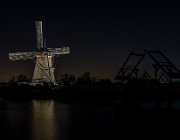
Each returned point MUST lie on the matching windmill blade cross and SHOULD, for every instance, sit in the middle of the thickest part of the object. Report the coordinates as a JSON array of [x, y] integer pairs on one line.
[[43, 58]]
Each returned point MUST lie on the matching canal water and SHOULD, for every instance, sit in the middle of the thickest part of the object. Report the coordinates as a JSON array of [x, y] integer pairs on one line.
[[53, 120]]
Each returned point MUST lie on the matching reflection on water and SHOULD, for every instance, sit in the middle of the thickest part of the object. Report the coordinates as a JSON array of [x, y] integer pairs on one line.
[[43, 125], [45, 120], [34, 120], [52, 120]]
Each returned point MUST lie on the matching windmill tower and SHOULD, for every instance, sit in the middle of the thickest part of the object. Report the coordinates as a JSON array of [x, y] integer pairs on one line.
[[43, 58]]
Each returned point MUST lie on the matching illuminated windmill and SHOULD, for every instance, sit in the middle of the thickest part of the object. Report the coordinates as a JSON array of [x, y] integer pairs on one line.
[[43, 59]]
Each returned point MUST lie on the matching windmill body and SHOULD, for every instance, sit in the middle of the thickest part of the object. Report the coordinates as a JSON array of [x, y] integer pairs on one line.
[[43, 59], [44, 70]]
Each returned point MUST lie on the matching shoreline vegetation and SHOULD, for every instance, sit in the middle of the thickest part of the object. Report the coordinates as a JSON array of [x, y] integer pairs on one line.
[[136, 89], [88, 89]]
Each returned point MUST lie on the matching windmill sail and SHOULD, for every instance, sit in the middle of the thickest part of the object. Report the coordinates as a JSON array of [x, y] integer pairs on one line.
[[22, 56], [59, 51], [39, 34]]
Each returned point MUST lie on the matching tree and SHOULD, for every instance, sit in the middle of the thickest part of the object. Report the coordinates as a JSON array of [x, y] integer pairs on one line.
[[84, 78], [68, 80], [22, 78]]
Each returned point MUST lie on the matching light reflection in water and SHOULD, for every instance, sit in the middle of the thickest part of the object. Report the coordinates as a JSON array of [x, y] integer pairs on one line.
[[43, 120], [46, 120]]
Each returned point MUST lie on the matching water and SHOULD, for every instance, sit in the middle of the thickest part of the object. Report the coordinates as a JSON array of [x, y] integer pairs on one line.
[[53, 120]]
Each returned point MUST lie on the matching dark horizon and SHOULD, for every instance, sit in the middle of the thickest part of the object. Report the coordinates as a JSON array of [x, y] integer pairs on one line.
[[100, 34]]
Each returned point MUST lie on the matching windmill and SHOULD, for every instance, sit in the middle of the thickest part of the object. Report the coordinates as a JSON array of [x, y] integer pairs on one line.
[[43, 58]]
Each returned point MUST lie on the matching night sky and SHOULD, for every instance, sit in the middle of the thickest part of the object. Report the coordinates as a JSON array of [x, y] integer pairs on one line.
[[100, 33]]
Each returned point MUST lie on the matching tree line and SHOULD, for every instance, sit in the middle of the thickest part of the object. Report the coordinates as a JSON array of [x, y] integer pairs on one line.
[[65, 80]]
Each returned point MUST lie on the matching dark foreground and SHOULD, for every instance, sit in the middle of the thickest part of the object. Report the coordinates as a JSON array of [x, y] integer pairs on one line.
[[88, 113], [53, 120], [136, 92]]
